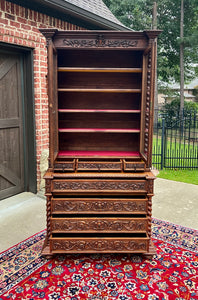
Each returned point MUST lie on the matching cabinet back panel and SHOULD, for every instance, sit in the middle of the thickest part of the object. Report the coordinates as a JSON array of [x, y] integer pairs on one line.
[[98, 142], [102, 59], [99, 120], [79, 100], [99, 80]]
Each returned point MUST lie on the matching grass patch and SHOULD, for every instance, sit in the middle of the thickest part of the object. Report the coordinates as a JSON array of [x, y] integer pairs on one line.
[[187, 176]]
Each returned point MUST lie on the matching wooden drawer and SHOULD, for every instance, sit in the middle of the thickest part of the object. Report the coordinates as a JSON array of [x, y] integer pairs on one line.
[[99, 186], [62, 166], [99, 206], [99, 166], [134, 166], [102, 224], [99, 245]]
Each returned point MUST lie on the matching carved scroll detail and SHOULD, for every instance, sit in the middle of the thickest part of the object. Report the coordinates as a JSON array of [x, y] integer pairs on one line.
[[99, 166], [98, 206], [99, 225], [99, 245], [48, 186], [99, 42], [99, 185]]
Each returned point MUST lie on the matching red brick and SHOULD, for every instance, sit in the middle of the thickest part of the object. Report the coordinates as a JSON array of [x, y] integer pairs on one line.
[[22, 20], [2, 5], [12, 8], [32, 23], [22, 12], [15, 24], [26, 27], [6, 39], [12, 40], [3, 21], [8, 7], [2, 30], [17, 9], [9, 16], [35, 16], [26, 13]]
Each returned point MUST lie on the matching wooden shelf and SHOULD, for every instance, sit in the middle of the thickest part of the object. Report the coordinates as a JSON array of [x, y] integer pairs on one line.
[[97, 70], [133, 111], [99, 90], [103, 130]]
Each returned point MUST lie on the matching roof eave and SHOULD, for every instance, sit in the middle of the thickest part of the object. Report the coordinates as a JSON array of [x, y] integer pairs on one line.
[[82, 14]]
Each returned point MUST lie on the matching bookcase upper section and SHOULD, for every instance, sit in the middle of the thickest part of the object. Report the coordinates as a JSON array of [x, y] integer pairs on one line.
[[101, 91]]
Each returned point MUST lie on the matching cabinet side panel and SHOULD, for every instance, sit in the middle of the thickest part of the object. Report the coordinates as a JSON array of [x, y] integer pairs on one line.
[[52, 94]]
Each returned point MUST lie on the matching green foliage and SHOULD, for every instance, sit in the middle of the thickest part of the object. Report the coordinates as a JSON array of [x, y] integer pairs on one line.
[[173, 107], [172, 110], [132, 13], [137, 15]]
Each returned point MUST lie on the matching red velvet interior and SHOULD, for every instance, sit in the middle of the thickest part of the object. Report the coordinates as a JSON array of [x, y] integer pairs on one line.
[[98, 153]]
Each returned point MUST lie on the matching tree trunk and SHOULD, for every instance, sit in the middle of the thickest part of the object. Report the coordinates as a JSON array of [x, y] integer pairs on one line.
[[182, 60], [154, 26]]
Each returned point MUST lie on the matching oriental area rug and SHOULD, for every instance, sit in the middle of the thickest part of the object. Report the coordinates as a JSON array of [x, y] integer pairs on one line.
[[172, 274]]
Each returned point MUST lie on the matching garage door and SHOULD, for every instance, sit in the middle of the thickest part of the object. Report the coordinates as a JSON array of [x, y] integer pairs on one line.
[[11, 126]]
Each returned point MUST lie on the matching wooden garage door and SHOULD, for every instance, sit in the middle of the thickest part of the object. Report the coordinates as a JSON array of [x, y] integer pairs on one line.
[[11, 126]]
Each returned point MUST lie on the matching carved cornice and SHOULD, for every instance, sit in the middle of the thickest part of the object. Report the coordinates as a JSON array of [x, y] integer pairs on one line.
[[152, 34], [49, 34]]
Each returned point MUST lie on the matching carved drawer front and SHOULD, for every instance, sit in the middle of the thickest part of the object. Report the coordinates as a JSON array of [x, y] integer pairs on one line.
[[62, 166], [134, 165], [78, 225], [99, 206], [99, 166], [99, 186], [99, 245]]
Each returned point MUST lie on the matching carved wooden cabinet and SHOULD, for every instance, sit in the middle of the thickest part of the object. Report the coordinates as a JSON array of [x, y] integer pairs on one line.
[[99, 185]]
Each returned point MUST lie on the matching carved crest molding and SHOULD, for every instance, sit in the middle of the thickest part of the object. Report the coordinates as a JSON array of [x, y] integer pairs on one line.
[[99, 42]]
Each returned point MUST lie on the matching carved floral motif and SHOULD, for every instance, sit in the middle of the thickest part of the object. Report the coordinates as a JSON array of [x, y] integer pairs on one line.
[[99, 245], [99, 185], [134, 166], [48, 186], [99, 42], [99, 225], [64, 166], [99, 166], [98, 206]]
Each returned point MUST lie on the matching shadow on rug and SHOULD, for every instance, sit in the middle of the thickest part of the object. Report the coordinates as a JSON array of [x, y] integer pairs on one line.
[[171, 274]]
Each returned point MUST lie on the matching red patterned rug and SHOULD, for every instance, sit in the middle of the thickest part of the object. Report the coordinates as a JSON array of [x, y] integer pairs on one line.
[[171, 274]]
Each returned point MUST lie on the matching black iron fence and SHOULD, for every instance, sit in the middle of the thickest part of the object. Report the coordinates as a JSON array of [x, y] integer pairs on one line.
[[175, 141]]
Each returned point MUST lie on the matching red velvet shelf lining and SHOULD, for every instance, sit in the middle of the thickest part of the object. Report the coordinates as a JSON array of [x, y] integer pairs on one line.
[[110, 130], [99, 153], [99, 110]]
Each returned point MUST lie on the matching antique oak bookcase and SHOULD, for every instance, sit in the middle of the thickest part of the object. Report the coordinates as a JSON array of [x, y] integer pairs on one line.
[[99, 185]]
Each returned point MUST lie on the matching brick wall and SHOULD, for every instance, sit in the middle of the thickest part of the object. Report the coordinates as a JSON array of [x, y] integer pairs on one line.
[[20, 26]]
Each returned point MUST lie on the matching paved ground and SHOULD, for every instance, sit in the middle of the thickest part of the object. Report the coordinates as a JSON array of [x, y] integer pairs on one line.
[[24, 214]]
